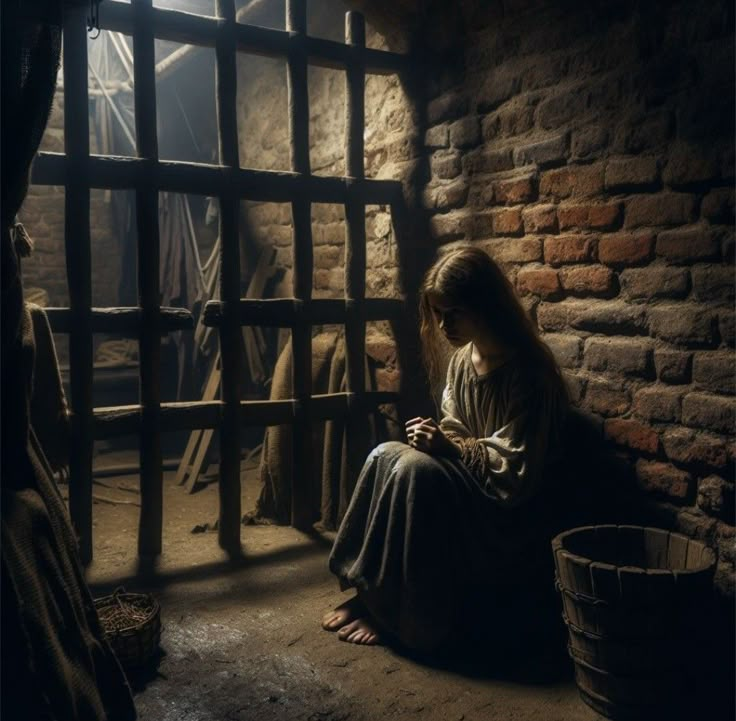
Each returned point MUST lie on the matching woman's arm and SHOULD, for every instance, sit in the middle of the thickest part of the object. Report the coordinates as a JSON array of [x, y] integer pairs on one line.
[[509, 463]]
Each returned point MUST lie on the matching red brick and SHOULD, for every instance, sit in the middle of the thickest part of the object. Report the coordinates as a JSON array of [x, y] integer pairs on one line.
[[507, 221], [694, 523], [540, 281], [588, 279], [636, 172], [606, 398], [555, 316], [445, 165], [632, 434], [691, 164], [664, 479], [684, 245], [713, 283], [569, 249], [715, 495], [718, 206], [625, 248], [465, 133], [712, 412], [727, 326], [545, 153], [446, 107], [514, 250], [714, 371], [686, 446], [575, 386], [595, 217], [610, 317], [516, 190], [673, 366], [572, 180], [565, 348], [658, 403], [659, 209], [589, 142], [540, 219], [451, 226], [437, 137], [683, 323], [487, 161], [619, 355], [663, 281]]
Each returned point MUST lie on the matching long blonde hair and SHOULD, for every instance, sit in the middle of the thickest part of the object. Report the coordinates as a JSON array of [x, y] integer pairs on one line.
[[467, 276]]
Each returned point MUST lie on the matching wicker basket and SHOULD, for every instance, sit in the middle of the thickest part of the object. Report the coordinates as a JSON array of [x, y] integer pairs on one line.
[[132, 624]]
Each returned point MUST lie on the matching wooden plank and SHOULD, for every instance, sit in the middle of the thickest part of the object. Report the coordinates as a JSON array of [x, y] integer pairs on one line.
[[121, 172], [230, 335], [125, 322], [151, 518], [210, 393], [79, 274], [183, 27], [302, 515], [656, 543], [285, 312]]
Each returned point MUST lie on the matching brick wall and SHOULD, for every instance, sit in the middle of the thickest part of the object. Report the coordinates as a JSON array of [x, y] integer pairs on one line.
[[591, 151], [392, 148]]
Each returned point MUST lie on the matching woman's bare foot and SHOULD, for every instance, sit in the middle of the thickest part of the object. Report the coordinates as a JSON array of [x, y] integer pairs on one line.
[[360, 631], [343, 614]]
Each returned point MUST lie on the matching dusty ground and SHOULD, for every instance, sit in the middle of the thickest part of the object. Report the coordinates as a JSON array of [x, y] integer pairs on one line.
[[242, 640]]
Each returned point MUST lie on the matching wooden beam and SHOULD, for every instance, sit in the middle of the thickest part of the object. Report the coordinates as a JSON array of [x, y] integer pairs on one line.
[[126, 322], [183, 27], [114, 421], [151, 519], [230, 334], [355, 245], [301, 330], [79, 274], [120, 172], [288, 312]]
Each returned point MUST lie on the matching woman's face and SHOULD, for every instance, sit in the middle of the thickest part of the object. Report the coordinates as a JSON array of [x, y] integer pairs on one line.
[[458, 324]]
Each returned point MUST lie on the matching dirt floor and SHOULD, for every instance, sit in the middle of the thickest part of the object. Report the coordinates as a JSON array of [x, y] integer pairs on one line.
[[241, 640]]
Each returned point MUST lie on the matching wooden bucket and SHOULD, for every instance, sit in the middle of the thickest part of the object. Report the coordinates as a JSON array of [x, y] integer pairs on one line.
[[631, 596]]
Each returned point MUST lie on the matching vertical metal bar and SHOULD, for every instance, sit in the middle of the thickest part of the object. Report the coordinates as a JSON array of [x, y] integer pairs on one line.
[[302, 504], [151, 518], [355, 242], [79, 273], [230, 334]]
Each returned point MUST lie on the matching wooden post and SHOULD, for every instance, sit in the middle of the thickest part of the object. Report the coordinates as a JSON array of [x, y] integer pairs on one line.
[[151, 519], [301, 331], [355, 244], [79, 273], [230, 343]]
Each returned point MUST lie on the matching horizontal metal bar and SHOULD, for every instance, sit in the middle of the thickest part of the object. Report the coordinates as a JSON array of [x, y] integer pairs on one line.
[[287, 312], [121, 321], [120, 172], [187, 28]]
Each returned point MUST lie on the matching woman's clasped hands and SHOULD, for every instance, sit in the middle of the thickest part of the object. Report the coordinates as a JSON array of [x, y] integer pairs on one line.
[[424, 434]]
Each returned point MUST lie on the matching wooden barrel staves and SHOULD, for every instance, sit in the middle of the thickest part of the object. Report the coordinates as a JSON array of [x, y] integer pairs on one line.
[[632, 597]]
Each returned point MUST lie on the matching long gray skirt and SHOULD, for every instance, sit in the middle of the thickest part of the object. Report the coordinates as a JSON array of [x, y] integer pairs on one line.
[[423, 544]]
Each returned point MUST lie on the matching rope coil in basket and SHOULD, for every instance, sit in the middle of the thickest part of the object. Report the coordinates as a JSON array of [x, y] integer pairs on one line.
[[132, 624]]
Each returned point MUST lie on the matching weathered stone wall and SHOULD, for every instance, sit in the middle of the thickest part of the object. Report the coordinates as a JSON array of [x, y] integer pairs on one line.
[[43, 217], [591, 151], [391, 144]]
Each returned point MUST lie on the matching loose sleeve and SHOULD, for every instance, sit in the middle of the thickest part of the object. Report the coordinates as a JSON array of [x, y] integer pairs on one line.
[[509, 462], [453, 424]]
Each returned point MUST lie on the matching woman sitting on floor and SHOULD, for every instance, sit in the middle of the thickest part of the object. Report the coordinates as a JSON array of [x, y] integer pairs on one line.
[[436, 525]]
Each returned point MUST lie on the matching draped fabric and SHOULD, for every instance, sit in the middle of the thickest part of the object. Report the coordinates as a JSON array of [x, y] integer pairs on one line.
[[56, 663], [424, 537]]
